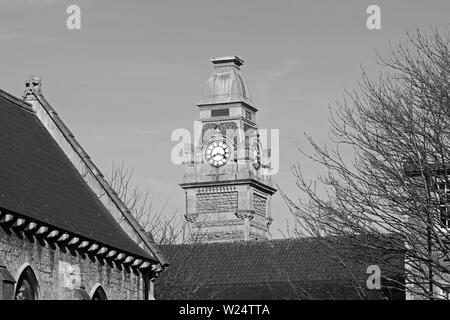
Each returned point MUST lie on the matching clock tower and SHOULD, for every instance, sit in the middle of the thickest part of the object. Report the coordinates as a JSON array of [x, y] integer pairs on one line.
[[227, 177]]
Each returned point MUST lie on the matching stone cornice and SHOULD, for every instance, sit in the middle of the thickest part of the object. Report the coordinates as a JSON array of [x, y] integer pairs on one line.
[[253, 182], [52, 236], [210, 102]]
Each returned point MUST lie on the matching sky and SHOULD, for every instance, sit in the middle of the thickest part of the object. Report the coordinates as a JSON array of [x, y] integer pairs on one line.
[[135, 70]]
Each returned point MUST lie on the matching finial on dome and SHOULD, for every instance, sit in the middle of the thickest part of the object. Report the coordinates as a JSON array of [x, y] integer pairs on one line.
[[228, 60]]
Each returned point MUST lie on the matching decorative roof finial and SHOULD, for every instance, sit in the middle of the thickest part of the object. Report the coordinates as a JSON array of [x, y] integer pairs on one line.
[[228, 60], [32, 88]]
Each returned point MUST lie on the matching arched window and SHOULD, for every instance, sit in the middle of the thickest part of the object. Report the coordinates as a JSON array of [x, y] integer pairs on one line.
[[27, 286], [99, 294]]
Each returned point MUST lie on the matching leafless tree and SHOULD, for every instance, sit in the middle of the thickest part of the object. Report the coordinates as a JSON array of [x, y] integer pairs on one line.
[[397, 130], [165, 228]]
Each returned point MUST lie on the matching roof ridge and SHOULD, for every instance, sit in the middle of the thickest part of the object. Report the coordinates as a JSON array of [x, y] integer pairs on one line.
[[20, 103], [242, 243], [109, 191]]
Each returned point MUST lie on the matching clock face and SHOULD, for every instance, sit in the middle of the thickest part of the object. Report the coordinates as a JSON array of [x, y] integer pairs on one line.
[[217, 153]]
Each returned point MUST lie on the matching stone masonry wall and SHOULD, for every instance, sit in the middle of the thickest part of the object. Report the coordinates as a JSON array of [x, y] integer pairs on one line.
[[260, 204], [48, 263], [219, 199], [218, 216]]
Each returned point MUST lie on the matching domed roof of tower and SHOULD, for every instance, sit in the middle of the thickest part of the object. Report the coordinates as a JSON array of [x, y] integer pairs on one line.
[[226, 83]]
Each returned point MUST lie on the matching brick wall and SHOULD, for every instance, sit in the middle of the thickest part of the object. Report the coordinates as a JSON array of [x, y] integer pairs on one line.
[[46, 262]]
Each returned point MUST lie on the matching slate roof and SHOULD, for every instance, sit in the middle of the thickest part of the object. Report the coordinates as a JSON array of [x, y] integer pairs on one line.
[[256, 269], [38, 181]]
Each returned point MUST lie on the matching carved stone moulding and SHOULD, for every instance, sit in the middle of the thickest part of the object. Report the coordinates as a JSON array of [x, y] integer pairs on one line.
[[49, 234]]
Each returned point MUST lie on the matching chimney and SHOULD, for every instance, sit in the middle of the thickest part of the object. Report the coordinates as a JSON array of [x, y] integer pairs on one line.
[[32, 88]]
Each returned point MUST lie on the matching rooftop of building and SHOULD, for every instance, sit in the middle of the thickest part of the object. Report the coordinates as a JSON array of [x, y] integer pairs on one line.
[[256, 269], [39, 183]]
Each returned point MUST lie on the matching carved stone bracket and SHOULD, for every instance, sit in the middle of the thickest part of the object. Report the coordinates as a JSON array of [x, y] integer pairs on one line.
[[245, 214], [155, 270], [32, 86], [191, 217]]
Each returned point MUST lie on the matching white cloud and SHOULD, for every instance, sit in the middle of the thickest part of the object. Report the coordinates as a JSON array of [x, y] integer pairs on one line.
[[273, 75], [282, 70], [41, 2], [22, 3], [9, 36], [142, 131]]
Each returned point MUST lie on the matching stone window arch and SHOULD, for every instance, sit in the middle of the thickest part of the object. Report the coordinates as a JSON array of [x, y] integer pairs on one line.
[[98, 293], [27, 287]]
